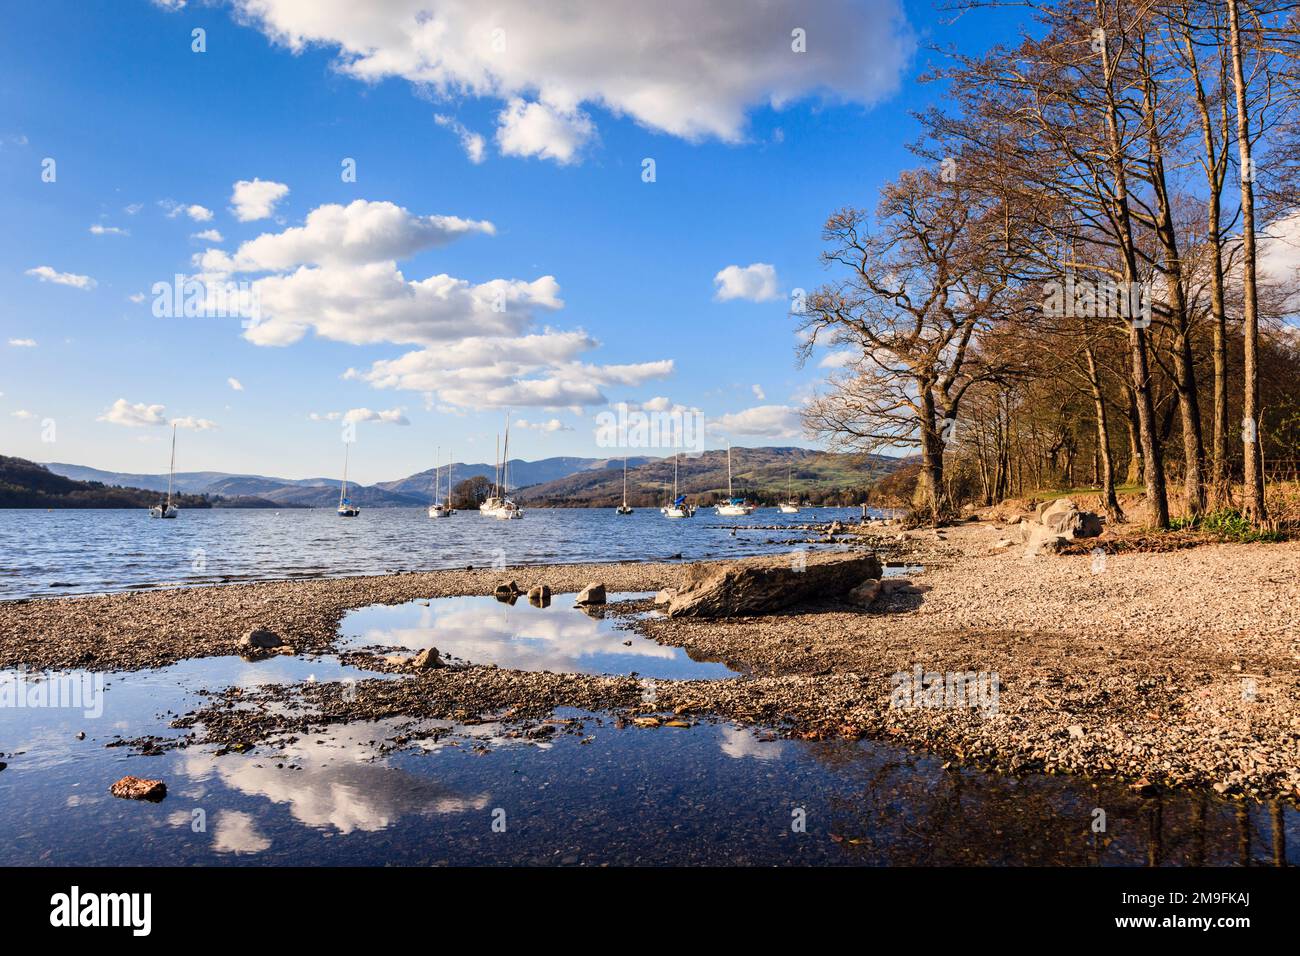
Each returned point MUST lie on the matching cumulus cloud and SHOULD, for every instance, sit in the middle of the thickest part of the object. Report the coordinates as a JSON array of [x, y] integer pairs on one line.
[[23, 343], [236, 384], [676, 66], [99, 229], [473, 143], [755, 282], [360, 232], [198, 424], [541, 130], [767, 421], [48, 274], [840, 359], [138, 415], [209, 235], [391, 416], [552, 425], [254, 199], [193, 210], [758, 392]]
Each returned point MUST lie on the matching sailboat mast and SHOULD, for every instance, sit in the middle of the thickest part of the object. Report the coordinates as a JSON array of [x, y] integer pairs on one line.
[[437, 474], [171, 474], [343, 488], [505, 460], [730, 494], [625, 481], [496, 484]]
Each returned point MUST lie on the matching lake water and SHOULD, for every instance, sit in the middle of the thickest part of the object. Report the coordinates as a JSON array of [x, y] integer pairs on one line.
[[710, 794], [46, 553]]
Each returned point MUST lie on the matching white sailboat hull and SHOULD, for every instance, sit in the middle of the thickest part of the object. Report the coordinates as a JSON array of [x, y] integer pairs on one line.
[[160, 511], [787, 509], [676, 512], [734, 511], [438, 511]]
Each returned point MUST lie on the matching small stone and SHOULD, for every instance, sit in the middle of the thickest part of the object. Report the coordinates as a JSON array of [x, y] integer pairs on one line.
[[1075, 730], [260, 639], [540, 595], [646, 721], [137, 788]]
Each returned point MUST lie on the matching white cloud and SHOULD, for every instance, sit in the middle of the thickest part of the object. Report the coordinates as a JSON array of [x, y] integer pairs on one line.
[[194, 210], [23, 343], [681, 67], [133, 208], [755, 282], [473, 143], [359, 233], [23, 413], [198, 424], [136, 297], [139, 415], [98, 229], [537, 129], [236, 384], [840, 359], [758, 392], [552, 425], [325, 417], [768, 421], [391, 416], [209, 235], [48, 274], [254, 199]]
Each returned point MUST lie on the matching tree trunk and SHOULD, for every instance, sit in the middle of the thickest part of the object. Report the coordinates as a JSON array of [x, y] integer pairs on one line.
[[1110, 500], [1251, 444]]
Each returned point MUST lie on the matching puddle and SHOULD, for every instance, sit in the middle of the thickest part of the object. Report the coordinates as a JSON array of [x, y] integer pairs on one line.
[[558, 638]]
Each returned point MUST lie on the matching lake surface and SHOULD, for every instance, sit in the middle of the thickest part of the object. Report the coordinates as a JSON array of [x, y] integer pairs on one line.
[[45, 553], [560, 638], [710, 794]]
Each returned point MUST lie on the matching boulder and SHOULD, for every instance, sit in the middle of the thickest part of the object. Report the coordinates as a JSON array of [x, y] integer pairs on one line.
[[427, 660], [540, 595], [665, 596], [762, 585], [592, 594], [137, 788], [865, 593], [1043, 540], [260, 639], [507, 589]]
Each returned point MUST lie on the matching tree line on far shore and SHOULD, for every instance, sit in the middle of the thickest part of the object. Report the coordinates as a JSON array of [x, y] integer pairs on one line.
[[1091, 277]]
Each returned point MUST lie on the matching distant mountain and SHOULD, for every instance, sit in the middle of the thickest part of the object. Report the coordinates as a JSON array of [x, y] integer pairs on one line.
[[25, 484], [758, 473], [522, 473], [818, 476]]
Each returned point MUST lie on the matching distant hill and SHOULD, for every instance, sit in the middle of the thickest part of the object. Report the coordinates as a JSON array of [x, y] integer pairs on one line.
[[758, 473], [25, 484], [522, 473]]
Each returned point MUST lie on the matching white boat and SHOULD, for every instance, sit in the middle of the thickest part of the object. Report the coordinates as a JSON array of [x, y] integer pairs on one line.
[[498, 505], [788, 507], [166, 509], [346, 508], [623, 509], [677, 508], [733, 507], [441, 508]]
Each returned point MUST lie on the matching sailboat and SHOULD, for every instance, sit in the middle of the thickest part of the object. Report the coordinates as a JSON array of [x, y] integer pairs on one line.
[[167, 509], [623, 509], [498, 505], [346, 508], [441, 508], [788, 507], [733, 507], [678, 508]]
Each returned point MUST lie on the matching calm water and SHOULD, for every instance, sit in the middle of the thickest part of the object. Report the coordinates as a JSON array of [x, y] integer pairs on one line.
[[59, 552], [714, 794], [560, 638]]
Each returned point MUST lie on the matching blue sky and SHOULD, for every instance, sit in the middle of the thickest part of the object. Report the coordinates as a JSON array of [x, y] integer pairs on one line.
[[142, 128]]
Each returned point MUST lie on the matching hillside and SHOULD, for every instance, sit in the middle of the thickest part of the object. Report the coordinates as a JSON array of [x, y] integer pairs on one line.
[[25, 484], [522, 473], [758, 473]]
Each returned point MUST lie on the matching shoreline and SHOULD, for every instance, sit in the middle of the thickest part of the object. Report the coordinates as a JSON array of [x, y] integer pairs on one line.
[[1169, 669]]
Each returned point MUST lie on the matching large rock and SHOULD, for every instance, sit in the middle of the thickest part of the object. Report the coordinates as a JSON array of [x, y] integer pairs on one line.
[[1064, 517], [591, 594], [539, 595], [260, 639], [427, 660], [762, 585]]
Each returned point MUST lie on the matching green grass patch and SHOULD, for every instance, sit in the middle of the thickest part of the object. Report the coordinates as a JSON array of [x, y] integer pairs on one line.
[[1227, 525]]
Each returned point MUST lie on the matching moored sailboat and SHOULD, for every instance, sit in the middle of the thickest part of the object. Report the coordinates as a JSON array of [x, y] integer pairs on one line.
[[788, 507], [677, 508], [623, 509], [733, 507], [166, 509], [498, 505], [441, 508], [346, 508]]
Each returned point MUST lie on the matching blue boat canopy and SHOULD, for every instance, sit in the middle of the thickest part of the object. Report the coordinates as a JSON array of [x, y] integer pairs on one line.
[[679, 500]]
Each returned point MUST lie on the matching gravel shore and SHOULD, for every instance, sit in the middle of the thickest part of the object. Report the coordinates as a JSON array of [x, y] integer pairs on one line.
[[1178, 668]]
